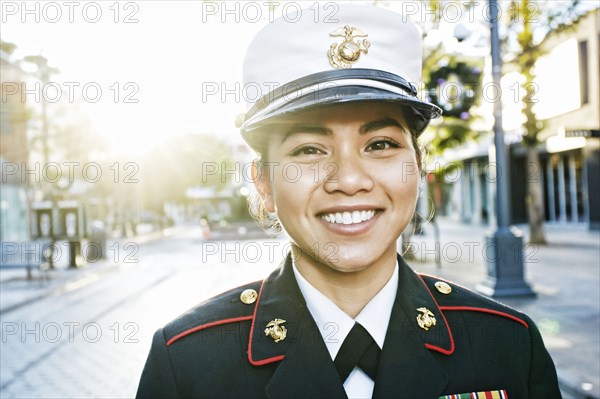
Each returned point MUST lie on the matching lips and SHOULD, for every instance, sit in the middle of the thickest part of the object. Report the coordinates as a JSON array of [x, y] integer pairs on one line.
[[346, 217]]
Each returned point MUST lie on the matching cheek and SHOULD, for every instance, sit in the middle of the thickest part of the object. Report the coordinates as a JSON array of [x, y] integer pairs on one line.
[[292, 185], [402, 182], [409, 190]]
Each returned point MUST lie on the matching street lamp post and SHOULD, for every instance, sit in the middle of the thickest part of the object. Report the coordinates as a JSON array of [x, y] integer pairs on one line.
[[504, 246]]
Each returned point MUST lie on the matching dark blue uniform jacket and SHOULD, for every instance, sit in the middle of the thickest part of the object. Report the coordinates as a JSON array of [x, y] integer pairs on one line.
[[219, 348]]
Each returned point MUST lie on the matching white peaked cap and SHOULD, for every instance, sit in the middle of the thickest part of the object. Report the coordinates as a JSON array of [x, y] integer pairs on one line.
[[334, 54]]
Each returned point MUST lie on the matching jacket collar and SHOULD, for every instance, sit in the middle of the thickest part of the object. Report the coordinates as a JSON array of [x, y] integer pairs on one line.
[[306, 367], [407, 368], [414, 294]]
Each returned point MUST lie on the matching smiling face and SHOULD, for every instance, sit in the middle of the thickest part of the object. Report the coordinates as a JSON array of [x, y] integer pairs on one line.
[[344, 181]]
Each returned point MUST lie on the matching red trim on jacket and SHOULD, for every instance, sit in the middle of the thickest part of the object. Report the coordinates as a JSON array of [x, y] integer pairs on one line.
[[433, 347], [484, 310], [207, 325], [264, 361]]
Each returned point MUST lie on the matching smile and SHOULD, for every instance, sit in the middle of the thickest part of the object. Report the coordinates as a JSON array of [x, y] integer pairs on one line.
[[353, 217]]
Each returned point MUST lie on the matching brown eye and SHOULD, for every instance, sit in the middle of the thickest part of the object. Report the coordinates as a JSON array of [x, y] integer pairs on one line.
[[381, 145], [306, 150]]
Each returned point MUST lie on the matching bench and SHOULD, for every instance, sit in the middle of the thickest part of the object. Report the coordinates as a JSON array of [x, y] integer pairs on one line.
[[24, 255]]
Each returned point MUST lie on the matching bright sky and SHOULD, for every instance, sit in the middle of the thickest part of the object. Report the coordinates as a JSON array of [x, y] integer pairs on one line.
[[164, 60]]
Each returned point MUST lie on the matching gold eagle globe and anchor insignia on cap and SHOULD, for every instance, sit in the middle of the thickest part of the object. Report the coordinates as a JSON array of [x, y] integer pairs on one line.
[[275, 330], [346, 53], [426, 319]]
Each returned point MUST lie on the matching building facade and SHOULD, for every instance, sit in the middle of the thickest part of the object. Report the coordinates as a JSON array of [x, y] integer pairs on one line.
[[570, 156], [568, 104], [14, 151]]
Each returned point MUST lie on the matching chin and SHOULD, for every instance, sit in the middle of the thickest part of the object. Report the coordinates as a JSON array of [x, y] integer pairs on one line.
[[347, 257], [351, 269], [349, 262]]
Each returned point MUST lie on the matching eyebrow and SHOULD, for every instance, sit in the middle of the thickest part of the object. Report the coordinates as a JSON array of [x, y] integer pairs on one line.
[[323, 131], [319, 130], [379, 124]]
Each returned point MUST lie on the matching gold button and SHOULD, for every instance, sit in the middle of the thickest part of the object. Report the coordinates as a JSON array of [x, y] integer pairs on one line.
[[443, 287], [248, 296]]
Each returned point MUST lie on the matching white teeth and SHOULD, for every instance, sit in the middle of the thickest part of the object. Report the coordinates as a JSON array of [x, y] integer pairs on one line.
[[348, 217]]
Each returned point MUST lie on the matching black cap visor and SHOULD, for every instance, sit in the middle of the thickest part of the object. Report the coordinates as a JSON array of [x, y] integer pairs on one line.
[[418, 112]]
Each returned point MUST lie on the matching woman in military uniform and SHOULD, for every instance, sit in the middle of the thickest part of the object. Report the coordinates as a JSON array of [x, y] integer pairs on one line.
[[344, 315]]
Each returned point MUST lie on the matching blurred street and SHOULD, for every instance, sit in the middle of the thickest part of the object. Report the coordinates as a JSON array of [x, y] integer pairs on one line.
[[86, 333], [91, 332]]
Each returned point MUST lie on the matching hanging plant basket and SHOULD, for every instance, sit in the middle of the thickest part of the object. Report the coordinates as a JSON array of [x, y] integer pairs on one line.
[[455, 88]]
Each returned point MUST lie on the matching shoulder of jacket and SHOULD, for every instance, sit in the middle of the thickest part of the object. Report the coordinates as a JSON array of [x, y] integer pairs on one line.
[[454, 297], [225, 308]]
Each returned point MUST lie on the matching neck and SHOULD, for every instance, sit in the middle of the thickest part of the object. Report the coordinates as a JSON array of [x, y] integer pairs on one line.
[[350, 291]]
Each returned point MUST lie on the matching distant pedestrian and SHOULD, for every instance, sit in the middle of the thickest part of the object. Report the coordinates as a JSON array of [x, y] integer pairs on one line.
[[339, 170]]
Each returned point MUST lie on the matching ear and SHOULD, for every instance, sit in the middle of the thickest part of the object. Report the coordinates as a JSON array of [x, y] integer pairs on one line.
[[261, 179]]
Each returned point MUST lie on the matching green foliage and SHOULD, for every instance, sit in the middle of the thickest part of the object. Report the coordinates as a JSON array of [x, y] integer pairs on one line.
[[451, 133], [454, 88], [453, 85]]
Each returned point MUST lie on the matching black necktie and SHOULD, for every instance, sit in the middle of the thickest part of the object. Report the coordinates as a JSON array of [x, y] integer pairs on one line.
[[358, 349]]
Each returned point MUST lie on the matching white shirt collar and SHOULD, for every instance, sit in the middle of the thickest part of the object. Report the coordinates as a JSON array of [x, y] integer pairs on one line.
[[334, 325]]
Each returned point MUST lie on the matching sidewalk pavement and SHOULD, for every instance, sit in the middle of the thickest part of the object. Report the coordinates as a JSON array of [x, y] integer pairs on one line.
[[565, 274], [17, 291]]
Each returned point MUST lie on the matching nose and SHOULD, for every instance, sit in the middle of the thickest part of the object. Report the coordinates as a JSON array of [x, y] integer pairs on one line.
[[349, 175]]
